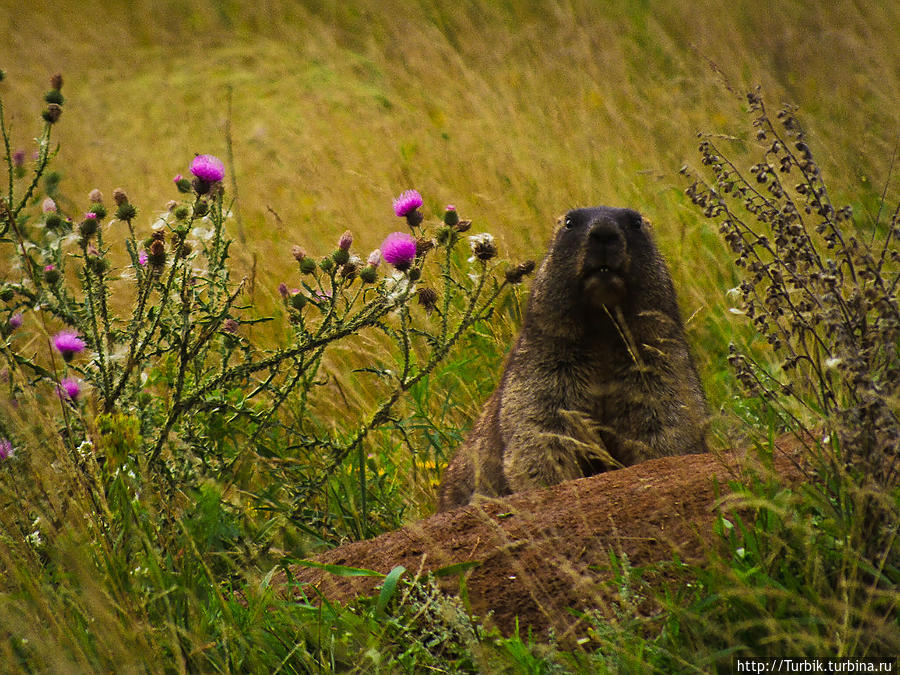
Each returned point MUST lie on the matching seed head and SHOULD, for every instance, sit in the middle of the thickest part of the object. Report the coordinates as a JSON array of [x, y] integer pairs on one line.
[[515, 274], [483, 246], [119, 197], [52, 113], [157, 255], [427, 298], [423, 245], [95, 196]]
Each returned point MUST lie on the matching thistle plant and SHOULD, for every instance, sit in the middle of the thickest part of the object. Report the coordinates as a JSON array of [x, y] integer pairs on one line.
[[137, 344]]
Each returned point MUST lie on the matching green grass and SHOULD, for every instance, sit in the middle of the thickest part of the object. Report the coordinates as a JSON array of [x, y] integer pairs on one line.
[[513, 111]]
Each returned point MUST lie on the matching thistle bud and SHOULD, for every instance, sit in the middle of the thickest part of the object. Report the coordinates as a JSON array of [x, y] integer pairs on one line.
[[340, 256], [51, 274], [54, 96], [307, 266], [368, 274], [53, 221], [201, 208], [327, 264], [451, 217], [126, 212], [345, 241], [182, 183], [298, 301], [98, 210], [88, 226]]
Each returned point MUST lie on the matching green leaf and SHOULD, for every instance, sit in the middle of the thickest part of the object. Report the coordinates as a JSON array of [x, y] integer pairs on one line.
[[456, 568], [388, 588], [341, 570]]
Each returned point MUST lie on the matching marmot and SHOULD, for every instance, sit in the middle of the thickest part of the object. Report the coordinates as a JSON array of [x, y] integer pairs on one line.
[[600, 375]]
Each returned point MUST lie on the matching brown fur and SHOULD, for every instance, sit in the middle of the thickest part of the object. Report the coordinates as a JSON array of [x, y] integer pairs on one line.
[[600, 375]]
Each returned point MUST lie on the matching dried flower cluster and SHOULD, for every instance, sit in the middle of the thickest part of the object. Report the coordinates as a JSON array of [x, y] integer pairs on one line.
[[819, 284]]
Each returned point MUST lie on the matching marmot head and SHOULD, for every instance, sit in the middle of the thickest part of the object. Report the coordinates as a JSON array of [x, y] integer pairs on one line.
[[601, 258], [600, 241]]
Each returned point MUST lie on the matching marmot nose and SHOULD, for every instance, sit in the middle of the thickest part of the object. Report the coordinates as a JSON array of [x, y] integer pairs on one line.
[[605, 233]]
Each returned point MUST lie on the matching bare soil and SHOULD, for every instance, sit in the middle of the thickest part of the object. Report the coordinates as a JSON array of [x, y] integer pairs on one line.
[[544, 551]]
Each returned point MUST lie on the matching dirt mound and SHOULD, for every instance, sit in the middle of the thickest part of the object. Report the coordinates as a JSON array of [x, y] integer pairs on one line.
[[539, 551]]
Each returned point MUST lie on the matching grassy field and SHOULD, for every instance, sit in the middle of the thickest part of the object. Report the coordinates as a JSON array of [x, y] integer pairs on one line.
[[513, 111]]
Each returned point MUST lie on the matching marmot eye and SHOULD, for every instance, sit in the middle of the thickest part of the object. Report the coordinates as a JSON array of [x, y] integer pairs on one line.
[[568, 223]]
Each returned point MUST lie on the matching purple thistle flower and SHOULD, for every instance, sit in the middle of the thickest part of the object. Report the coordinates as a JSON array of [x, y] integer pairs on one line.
[[69, 388], [374, 258], [283, 290], [6, 449], [208, 168], [142, 258], [406, 203], [18, 158], [399, 250], [68, 343], [48, 205], [15, 321]]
